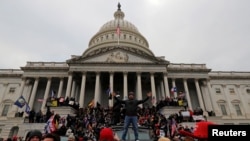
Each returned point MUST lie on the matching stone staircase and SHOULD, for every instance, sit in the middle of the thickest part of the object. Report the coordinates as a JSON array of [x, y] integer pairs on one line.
[[22, 125], [168, 110]]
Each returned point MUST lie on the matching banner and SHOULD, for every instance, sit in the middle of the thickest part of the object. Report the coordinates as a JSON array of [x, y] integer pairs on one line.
[[54, 103]]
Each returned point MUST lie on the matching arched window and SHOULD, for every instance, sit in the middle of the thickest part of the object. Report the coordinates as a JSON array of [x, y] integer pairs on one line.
[[222, 106], [6, 104], [236, 104], [13, 131]]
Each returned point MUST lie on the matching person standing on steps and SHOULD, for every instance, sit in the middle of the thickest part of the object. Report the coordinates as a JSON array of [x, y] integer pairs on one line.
[[131, 105]]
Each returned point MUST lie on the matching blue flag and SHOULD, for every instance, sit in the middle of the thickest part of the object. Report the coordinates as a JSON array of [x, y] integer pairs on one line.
[[27, 109], [109, 93], [20, 102]]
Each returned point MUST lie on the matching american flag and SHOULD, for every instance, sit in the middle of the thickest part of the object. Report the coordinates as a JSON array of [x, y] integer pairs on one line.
[[109, 93], [27, 109], [118, 30], [173, 89]]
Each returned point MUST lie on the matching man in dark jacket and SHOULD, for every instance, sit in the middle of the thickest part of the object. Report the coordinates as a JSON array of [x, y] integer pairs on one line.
[[131, 112]]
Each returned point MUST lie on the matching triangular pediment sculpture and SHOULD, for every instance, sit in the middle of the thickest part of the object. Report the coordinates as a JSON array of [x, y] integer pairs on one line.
[[116, 55]]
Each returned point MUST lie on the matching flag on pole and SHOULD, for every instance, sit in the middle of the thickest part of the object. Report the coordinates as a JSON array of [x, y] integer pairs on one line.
[[52, 93], [51, 125], [20, 102], [27, 109], [109, 93], [173, 90], [40, 100], [91, 103], [118, 30], [181, 94]]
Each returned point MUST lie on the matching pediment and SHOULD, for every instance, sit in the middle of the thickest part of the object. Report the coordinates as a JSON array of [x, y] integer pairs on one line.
[[116, 56]]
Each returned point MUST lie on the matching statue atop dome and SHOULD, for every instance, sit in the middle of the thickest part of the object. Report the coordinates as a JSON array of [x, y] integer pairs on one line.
[[119, 6]]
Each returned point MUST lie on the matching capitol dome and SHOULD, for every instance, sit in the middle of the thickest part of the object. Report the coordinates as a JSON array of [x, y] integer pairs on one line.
[[128, 36]]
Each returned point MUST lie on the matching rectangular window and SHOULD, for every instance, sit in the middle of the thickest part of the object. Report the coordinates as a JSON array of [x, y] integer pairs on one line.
[[231, 91], [12, 90], [217, 90], [5, 110], [1, 127], [248, 91], [237, 108], [223, 109]]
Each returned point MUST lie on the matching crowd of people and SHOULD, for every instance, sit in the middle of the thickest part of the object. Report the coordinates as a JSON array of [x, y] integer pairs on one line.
[[89, 122]]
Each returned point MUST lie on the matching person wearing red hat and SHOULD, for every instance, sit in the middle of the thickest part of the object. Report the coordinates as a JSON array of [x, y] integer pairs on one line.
[[131, 105], [200, 131], [107, 134]]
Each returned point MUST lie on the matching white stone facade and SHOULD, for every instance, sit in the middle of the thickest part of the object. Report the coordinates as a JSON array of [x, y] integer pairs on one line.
[[129, 66]]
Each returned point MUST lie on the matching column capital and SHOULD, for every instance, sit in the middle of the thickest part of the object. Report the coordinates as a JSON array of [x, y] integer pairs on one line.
[[70, 72], [37, 78], [125, 72], [204, 82], [224, 86], [165, 73], [84, 72], [152, 73]]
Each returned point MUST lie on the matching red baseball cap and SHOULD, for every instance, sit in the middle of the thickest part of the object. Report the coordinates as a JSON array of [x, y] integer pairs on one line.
[[106, 134], [200, 130]]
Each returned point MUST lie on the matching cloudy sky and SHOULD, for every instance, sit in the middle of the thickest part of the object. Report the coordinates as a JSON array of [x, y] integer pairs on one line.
[[211, 32]]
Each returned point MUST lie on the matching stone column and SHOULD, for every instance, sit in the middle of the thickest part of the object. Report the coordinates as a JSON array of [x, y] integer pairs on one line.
[[111, 84], [60, 88], [73, 89], [199, 95], [163, 94], [213, 102], [166, 85], [33, 94], [173, 84], [152, 79], [228, 101], [70, 77], [97, 88], [82, 93], [125, 85], [139, 88], [187, 94], [46, 93], [243, 103]]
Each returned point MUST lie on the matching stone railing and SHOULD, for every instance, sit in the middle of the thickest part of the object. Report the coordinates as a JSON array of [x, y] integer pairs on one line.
[[187, 66], [46, 64]]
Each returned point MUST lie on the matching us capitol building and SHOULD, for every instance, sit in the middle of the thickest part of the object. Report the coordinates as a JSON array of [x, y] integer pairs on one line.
[[122, 62]]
